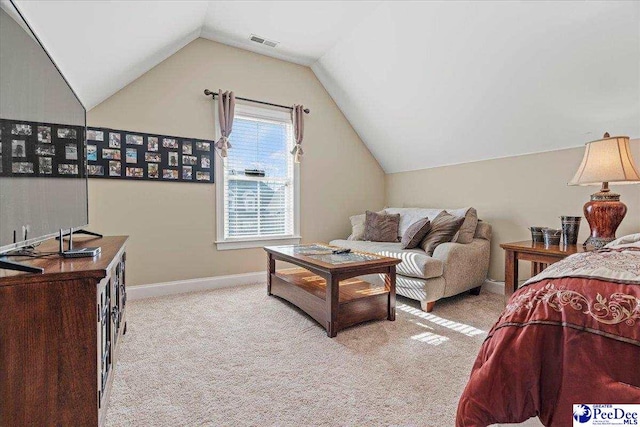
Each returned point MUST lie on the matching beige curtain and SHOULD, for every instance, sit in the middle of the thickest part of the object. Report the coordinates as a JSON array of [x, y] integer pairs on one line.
[[226, 107], [298, 131]]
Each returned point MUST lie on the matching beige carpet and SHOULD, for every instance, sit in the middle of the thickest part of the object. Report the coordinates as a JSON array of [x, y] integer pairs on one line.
[[236, 357]]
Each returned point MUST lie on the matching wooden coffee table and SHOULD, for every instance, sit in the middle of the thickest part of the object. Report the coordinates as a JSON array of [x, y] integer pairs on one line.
[[326, 287]]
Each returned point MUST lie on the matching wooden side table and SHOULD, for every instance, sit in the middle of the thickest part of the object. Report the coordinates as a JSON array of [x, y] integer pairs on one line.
[[539, 255]]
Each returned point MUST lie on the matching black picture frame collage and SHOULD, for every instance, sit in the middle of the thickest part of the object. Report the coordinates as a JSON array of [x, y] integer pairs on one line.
[[36, 149], [119, 154]]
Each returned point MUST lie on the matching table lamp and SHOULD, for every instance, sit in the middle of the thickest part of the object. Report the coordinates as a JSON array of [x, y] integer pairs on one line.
[[606, 161]]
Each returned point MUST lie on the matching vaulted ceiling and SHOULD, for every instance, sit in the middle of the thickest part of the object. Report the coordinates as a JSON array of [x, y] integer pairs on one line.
[[424, 84], [101, 46], [434, 83]]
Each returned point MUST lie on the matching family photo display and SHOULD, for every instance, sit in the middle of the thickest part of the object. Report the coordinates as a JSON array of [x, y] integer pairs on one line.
[[140, 156], [32, 149]]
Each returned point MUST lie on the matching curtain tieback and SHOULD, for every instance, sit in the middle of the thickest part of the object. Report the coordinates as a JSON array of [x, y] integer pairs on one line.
[[297, 152], [223, 145]]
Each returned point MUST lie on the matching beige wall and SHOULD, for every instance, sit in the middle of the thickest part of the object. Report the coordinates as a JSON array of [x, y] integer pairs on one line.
[[172, 225], [511, 194]]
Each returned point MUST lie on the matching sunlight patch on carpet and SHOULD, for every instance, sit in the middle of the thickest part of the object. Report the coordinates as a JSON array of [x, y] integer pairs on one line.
[[467, 330], [430, 338]]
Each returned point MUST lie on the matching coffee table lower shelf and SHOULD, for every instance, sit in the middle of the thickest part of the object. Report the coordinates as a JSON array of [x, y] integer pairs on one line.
[[358, 301]]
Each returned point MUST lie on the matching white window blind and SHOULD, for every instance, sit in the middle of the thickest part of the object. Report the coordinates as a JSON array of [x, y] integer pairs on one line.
[[258, 179]]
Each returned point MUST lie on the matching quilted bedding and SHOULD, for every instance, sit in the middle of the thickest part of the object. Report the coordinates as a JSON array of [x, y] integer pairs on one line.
[[570, 335]]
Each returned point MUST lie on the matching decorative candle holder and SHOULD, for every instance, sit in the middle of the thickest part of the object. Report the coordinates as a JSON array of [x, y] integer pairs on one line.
[[536, 234], [551, 236], [570, 229]]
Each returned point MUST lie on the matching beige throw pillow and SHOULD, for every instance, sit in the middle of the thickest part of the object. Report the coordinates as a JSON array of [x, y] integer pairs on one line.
[[443, 228], [381, 227], [415, 233], [357, 227]]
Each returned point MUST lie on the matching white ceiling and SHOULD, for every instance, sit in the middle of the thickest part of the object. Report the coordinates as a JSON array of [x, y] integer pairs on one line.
[[423, 83], [101, 46], [305, 30], [428, 84]]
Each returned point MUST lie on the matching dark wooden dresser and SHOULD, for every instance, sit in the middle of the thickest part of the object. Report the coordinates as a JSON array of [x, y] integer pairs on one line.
[[59, 336]]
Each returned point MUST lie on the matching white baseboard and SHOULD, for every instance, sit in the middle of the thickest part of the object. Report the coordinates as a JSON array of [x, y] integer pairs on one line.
[[493, 286], [218, 282], [191, 285], [497, 287]]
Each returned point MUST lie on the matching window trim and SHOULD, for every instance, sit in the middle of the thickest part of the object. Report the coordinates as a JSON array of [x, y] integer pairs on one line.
[[252, 242]]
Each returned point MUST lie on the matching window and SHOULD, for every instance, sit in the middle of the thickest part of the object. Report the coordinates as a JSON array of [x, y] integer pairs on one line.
[[257, 183]]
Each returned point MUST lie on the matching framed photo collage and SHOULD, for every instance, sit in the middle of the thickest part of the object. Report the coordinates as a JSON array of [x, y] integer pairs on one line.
[[141, 156], [32, 149]]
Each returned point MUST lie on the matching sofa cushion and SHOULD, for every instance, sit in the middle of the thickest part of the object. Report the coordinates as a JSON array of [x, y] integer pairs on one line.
[[364, 246], [468, 227], [443, 229], [415, 262], [357, 227], [415, 233], [408, 216], [483, 231], [412, 287], [381, 227]]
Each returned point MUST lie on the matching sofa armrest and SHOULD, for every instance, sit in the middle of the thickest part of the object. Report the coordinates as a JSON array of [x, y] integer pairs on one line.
[[465, 265], [450, 252]]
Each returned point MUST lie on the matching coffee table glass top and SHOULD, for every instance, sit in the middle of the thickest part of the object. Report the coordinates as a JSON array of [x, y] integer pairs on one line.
[[325, 254]]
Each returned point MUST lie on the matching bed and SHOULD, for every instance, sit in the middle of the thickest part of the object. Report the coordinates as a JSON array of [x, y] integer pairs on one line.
[[570, 335]]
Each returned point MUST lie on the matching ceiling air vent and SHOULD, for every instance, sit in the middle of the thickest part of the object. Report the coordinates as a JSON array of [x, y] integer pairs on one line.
[[262, 40]]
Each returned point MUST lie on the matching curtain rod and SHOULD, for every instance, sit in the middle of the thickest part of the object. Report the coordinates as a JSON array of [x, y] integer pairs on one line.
[[207, 92]]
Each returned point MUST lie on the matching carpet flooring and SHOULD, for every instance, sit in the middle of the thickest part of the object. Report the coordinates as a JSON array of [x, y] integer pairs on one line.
[[237, 357]]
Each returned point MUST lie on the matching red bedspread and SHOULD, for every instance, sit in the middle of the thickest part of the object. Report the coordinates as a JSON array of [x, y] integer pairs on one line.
[[570, 336]]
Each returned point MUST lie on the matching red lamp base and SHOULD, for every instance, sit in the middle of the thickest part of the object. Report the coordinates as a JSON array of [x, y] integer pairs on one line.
[[604, 214]]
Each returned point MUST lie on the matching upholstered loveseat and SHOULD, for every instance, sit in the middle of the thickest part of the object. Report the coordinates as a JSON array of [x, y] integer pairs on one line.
[[455, 267]]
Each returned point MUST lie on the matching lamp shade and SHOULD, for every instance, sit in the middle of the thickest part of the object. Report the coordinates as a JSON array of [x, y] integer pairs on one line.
[[607, 160]]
